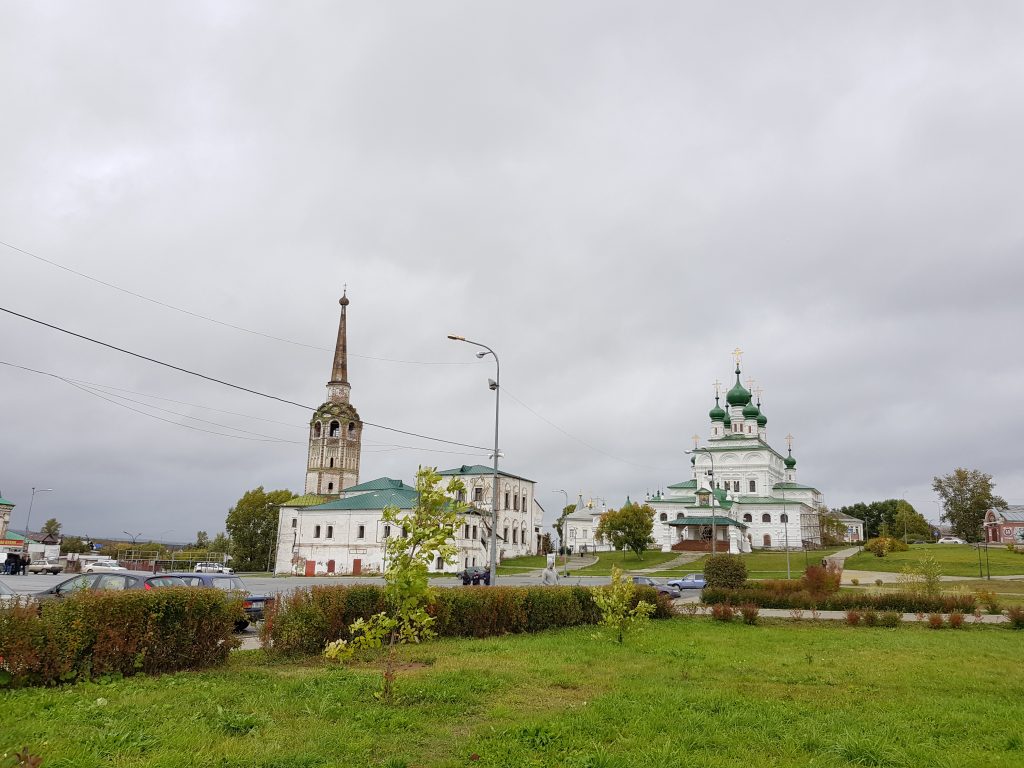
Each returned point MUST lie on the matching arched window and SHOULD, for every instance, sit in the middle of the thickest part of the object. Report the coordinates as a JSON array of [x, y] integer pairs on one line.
[[785, 517], [351, 430], [330, 531], [663, 517], [316, 532], [766, 518], [747, 518], [767, 540], [316, 429], [334, 429], [330, 463], [330, 487]]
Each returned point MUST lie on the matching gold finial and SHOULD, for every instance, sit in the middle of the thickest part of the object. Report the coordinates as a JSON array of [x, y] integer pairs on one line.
[[718, 387], [757, 391], [737, 354], [696, 441], [789, 441], [750, 383]]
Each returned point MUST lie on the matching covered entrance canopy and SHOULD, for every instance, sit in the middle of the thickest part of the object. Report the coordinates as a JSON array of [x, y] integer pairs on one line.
[[694, 534]]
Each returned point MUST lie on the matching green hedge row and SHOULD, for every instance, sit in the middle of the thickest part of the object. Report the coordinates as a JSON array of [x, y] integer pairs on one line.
[[92, 634], [305, 620], [905, 602]]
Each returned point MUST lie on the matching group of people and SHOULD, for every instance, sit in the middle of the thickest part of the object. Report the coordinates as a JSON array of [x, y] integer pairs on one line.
[[15, 564]]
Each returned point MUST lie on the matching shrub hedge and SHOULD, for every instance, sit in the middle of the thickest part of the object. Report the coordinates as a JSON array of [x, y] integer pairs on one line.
[[725, 571], [305, 620], [904, 602], [93, 634]]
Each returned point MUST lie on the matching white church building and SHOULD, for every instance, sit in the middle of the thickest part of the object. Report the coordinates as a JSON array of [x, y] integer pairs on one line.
[[741, 493], [337, 526]]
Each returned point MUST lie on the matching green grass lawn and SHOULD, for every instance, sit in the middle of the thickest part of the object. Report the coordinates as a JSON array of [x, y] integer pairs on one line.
[[627, 561], [1010, 592], [955, 559], [520, 564], [687, 693], [766, 565]]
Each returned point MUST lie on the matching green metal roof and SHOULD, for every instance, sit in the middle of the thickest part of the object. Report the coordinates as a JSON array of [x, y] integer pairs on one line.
[[6, 502], [308, 500], [794, 487], [392, 497], [380, 484], [479, 469], [684, 485], [741, 500], [691, 500], [709, 520]]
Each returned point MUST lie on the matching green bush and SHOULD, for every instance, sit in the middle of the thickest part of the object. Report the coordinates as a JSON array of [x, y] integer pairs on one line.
[[93, 634], [1016, 617], [883, 545], [726, 571], [305, 620], [890, 619], [903, 602]]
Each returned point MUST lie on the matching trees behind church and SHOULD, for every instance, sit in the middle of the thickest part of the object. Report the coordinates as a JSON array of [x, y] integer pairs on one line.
[[252, 526], [967, 494]]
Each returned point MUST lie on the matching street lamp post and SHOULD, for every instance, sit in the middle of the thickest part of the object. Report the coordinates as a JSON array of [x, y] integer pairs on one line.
[[785, 523], [28, 519], [714, 522], [561, 535], [494, 384]]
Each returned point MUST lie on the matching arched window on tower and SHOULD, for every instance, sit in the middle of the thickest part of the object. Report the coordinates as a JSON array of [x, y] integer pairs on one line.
[[330, 487], [330, 462], [785, 517], [316, 429], [663, 517], [747, 518], [335, 428], [766, 518], [351, 430]]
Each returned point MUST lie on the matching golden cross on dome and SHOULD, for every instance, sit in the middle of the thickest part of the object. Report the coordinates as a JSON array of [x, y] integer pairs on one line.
[[789, 441], [737, 353], [750, 383], [696, 441], [718, 386], [758, 391]]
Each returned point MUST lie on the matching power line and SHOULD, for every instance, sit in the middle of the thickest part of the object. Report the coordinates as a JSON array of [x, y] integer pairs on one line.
[[227, 383], [209, 319]]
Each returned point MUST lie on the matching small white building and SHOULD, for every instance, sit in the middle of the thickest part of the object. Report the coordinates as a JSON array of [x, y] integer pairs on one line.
[[853, 527], [580, 527]]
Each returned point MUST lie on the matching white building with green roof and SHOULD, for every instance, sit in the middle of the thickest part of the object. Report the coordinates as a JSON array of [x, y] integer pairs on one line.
[[320, 535], [741, 491]]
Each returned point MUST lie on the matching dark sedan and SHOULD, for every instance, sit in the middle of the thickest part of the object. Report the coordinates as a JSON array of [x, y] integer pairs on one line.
[[647, 581], [119, 580], [254, 605]]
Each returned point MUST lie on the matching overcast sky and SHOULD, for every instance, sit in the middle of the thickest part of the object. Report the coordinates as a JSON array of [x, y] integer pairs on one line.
[[612, 195]]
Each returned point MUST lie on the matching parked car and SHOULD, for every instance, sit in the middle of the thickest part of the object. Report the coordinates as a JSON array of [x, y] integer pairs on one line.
[[212, 568], [689, 581], [45, 566], [120, 580], [254, 605], [951, 540], [665, 589], [104, 565], [475, 574]]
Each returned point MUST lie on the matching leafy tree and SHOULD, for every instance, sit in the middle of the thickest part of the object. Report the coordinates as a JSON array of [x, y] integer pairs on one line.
[[967, 494], [628, 528], [728, 571], [875, 515], [559, 524], [220, 543], [833, 530], [908, 522], [252, 526], [545, 544], [202, 540], [52, 528], [74, 545], [429, 534], [615, 602]]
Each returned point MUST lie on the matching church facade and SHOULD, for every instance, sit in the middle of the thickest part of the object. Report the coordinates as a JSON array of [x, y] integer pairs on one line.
[[337, 526], [742, 494]]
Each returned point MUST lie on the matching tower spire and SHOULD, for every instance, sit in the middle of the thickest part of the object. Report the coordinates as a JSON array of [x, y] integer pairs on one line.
[[339, 373]]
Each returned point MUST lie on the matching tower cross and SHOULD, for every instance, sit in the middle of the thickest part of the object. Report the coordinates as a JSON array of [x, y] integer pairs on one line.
[[696, 441], [757, 391], [737, 354], [718, 386], [789, 441]]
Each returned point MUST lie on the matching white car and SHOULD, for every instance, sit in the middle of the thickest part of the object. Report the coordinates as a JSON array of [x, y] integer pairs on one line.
[[104, 566], [212, 568], [951, 540]]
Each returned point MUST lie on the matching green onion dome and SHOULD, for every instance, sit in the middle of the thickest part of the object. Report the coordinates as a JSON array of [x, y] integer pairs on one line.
[[737, 395], [762, 420], [717, 413], [790, 462], [727, 422], [750, 411]]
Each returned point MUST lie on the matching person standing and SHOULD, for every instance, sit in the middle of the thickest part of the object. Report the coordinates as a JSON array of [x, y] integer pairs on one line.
[[549, 576], [25, 560]]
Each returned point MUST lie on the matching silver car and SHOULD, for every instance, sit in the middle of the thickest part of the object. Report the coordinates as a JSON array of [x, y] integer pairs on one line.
[[53, 567]]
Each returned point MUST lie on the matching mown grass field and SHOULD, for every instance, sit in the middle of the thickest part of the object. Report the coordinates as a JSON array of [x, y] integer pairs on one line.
[[521, 564], [1010, 593], [689, 692], [627, 561], [955, 560], [765, 565]]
